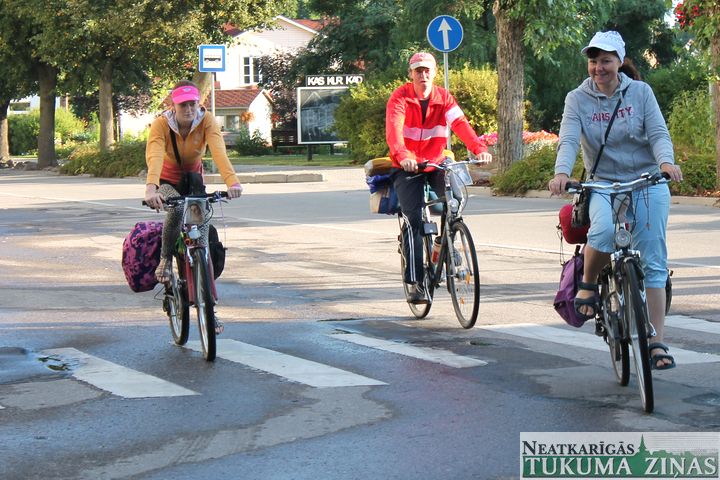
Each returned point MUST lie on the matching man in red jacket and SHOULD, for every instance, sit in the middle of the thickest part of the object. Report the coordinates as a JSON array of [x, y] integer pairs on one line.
[[416, 120]]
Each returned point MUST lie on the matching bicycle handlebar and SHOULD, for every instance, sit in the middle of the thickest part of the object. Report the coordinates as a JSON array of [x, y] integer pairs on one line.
[[174, 201], [645, 179], [448, 166]]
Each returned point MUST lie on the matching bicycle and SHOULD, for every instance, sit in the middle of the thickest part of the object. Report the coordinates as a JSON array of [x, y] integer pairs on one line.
[[622, 318], [192, 282], [457, 260]]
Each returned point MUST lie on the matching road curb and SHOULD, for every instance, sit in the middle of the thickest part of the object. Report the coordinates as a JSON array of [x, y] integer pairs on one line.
[[675, 199], [275, 177]]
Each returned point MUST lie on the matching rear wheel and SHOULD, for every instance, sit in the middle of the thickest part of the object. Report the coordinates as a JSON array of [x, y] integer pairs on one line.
[[636, 315], [419, 310], [175, 303], [462, 274], [204, 303]]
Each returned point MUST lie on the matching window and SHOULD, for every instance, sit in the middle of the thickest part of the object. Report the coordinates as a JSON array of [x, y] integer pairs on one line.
[[232, 123], [250, 72]]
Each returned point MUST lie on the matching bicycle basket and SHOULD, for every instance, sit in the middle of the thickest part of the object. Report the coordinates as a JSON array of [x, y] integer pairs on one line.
[[462, 174]]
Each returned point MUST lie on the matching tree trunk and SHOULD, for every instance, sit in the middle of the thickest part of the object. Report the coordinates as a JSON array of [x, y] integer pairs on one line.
[[47, 82], [715, 54], [106, 107], [4, 131], [204, 82], [511, 81]]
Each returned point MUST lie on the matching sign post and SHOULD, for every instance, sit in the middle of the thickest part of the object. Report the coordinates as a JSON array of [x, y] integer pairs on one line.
[[445, 35], [212, 59]]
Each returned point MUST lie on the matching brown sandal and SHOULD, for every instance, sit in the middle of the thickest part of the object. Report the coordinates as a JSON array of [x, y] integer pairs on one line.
[[163, 272]]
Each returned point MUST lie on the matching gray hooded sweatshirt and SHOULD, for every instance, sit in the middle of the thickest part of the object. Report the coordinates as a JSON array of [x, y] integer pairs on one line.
[[639, 140]]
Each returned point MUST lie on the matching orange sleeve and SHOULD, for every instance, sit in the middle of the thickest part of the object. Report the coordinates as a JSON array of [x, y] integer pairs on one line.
[[155, 150], [216, 144]]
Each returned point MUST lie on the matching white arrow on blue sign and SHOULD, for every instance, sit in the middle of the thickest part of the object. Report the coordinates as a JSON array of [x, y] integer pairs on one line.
[[444, 33]]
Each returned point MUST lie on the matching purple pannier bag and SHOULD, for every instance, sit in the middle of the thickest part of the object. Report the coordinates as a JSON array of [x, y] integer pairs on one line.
[[571, 275], [141, 255]]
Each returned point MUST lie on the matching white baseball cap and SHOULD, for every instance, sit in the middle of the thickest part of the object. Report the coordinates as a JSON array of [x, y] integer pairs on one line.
[[609, 41], [422, 59]]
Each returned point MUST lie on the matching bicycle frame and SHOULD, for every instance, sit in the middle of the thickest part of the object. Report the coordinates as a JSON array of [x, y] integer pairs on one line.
[[452, 211], [194, 217]]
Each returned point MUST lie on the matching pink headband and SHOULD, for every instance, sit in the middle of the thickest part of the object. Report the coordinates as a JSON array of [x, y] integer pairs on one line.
[[185, 93]]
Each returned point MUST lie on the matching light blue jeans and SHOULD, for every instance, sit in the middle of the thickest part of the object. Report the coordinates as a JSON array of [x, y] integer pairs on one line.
[[647, 217]]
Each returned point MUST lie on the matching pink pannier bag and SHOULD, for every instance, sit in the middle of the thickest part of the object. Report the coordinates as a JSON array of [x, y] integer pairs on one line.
[[141, 255]]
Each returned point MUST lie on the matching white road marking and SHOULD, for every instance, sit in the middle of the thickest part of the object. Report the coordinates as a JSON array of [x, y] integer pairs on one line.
[[567, 337], [290, 367], [116, 379], [691, 323], [435, 355]]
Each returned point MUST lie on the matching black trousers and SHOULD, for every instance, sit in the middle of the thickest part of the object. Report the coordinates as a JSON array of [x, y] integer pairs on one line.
[[410, 191]]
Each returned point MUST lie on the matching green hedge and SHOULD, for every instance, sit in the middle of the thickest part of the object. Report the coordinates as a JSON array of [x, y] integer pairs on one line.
[[125, 159], [537, 169], [699, 175], [531, 173], [23, 130]]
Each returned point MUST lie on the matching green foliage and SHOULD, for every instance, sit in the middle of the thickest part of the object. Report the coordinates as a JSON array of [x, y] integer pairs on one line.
[[360, 118], [692, 122], [254, 144], [531, 173], [476, 92], [699, 175], [67, 126], [687, 74], [125, 159], [23, 132]]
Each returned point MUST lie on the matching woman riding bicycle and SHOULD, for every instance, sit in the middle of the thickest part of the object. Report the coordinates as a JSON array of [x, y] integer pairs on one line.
[[175, 148], [416, 121], [638, 142]]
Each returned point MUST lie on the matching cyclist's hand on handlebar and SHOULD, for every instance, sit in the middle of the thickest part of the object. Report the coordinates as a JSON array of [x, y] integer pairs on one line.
[[482, 157], [153, 199], [673, 171], [234, 191], [557, 184], [409, 165]]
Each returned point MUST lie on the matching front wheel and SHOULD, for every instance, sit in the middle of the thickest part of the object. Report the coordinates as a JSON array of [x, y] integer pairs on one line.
[[204, 303], [175, 302], [615, 339], [636, 316], [463, 277]]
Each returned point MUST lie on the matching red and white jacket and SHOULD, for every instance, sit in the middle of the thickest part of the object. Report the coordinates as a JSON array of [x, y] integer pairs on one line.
[[409, 137]]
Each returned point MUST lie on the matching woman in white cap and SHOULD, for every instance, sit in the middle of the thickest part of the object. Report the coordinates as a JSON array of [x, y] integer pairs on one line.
[[176, 145], [638, 142]]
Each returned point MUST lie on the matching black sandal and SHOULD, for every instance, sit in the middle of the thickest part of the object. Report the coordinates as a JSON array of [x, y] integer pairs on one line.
[[660, 356], [587, 302]]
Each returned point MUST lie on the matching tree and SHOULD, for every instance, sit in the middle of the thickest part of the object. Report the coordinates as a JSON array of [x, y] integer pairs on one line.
[[93, 42], [702, 19], [17, 79], [542, 26]]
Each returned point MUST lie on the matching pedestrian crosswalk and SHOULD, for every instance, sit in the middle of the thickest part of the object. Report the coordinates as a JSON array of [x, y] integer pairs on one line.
[[290, 367], [116, 379], [126, 382]]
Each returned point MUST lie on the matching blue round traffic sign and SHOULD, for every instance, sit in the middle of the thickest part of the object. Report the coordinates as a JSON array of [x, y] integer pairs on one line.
[[444, 33]]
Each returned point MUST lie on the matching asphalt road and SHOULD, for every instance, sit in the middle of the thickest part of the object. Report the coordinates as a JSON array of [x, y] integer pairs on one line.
[[92, 387]]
